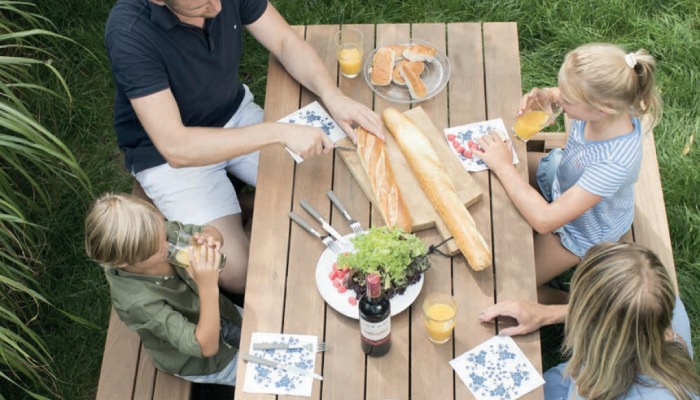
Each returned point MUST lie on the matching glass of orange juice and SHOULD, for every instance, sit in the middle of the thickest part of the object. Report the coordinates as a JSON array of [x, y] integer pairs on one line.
[[178, 253], [349, 44], [539, 112], [439, 311]]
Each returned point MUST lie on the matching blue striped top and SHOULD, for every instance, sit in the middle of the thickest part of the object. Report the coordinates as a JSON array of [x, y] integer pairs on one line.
[[607, 168]]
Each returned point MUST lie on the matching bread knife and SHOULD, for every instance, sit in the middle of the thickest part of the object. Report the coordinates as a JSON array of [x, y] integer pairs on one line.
[[326, 226], [274, 364]]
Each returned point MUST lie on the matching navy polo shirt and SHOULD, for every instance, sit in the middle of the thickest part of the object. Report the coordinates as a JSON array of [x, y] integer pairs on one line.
[[150, 50]]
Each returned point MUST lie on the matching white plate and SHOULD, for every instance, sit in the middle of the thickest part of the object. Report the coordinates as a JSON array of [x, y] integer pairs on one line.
[[339, 301], [435, 76]]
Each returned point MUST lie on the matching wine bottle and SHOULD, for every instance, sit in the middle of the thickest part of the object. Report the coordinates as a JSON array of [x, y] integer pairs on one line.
[[375, 319]]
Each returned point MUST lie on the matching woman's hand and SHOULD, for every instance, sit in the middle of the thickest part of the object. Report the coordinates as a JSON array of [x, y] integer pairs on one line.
[[495, 152], [529, 316]]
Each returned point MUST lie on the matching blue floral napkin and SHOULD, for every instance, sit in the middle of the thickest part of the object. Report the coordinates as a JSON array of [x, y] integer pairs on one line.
[[263, 379], [463, 142], [316, 116], [497, 369]]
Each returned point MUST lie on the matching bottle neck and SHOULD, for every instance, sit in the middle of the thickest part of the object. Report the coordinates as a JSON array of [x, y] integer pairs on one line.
[[374, 291]]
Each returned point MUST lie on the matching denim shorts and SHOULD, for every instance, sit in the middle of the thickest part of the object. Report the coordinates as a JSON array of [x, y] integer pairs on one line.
[[547, 171]]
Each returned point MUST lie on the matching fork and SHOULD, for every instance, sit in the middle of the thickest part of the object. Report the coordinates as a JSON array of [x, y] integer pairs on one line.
[[354, 225], [327, 240], [312, 347]]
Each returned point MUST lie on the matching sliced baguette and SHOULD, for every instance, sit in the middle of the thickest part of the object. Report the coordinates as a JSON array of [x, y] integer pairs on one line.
[[420, 52], [396, 77], [415, 84], [382, 66]]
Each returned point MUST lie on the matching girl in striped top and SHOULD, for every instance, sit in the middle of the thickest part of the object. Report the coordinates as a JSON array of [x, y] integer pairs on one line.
[[583, 195]]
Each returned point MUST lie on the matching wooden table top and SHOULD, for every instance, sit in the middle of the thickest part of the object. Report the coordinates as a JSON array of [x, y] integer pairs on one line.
[[281, 294]]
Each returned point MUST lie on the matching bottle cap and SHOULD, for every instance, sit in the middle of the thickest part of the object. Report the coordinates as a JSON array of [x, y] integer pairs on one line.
[[373, 279]]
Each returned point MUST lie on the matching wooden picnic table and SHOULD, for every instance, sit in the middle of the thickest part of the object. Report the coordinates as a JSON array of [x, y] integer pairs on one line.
[[281, 293]]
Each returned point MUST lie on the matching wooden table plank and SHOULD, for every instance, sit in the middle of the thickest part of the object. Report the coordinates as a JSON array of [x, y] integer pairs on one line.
[[170, 387], [145, 377], [342, 332], [267, 264], [119, 362], [512, 235], [473, 290], [429, 362]]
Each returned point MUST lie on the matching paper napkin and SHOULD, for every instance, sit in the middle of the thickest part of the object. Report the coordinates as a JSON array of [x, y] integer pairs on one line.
[[316, 116], [463, 142], [497, 369], [263, 379]]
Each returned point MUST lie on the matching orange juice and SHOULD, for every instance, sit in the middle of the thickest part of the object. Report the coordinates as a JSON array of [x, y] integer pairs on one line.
[[439, 321], [350, 60], [530, 123]]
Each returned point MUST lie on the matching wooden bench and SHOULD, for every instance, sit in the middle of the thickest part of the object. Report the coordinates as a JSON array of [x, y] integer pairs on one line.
[[650, 226]]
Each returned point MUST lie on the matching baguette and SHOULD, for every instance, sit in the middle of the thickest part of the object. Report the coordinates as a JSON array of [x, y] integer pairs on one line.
[[420, 52], [416, 86], [439, 188], [398, 50], [375, 161], [382, 66], [417, 67]]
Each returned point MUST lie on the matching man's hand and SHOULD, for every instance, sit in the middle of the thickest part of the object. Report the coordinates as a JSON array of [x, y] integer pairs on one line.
[[529, 316], [306, 141], [345, 111]]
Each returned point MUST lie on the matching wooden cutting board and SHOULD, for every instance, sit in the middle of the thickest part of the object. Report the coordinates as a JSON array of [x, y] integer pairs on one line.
[[423, 214]]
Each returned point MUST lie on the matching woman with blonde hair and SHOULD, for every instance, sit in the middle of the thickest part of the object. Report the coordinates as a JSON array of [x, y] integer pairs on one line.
[[583, 194], [626, 331]]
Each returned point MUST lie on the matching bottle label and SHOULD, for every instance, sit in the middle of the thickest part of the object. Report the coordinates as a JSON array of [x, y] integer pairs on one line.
[[375, 333]]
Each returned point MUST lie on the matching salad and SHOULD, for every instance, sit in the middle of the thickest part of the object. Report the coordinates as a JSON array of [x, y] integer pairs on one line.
[[398, 257]]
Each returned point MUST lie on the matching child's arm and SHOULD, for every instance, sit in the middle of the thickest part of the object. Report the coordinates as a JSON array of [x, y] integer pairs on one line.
[[530, 316], [544, 217], [204, 261]]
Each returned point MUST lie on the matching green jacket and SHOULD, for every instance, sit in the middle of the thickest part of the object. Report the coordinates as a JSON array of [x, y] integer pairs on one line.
[[164, 311]]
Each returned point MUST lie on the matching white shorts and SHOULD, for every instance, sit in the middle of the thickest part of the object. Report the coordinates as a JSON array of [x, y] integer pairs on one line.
[[199, 195]]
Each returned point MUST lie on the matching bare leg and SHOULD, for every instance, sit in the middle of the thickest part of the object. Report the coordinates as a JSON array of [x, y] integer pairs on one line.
[[236, 245], [551, 259], [533, 161]]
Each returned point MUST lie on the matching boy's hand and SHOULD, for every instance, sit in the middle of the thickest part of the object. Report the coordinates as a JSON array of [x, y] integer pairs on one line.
[[204, 262]]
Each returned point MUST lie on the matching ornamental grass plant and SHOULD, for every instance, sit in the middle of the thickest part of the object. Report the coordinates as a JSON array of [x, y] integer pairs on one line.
[[547, 30]]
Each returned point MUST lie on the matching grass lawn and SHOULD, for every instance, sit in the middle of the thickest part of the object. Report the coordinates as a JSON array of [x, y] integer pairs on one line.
[[547, 30]]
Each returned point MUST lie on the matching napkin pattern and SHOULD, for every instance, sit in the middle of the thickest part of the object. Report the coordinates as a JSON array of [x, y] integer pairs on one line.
[[263, 379], [463, 142], [497, 369]]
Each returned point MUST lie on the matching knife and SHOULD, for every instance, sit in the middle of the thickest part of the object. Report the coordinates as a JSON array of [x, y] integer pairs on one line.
[[305, 204], [274, 364], [275, 346], [348, 148], [335, 200]]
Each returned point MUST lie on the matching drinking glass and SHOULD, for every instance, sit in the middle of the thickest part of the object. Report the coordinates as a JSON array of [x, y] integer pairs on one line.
[[349, 43], [539, 112], [439, 311], [178, 254]]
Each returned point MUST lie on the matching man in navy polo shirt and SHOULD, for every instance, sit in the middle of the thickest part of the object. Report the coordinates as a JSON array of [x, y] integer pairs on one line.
[[184, 121]]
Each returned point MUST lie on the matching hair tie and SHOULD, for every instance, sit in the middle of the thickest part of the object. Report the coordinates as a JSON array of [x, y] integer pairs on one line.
[[631, 60]]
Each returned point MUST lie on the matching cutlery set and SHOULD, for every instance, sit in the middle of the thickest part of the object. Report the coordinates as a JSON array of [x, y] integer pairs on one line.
[[312, 347], [333, 240]]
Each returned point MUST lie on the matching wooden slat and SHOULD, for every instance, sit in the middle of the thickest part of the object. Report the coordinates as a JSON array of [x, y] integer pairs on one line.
[[429, 362], [268, 246], [473, 290], [387, 377], [343, 332], [145, 377], [119, 362], [650, 221], [512, 235], [170, 387]]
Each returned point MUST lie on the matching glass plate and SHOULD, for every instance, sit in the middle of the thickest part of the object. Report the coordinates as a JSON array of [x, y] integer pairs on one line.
[[435, 76], [339, 301]]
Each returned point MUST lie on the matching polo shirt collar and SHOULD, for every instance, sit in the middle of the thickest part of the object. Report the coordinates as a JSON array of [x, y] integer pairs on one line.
[[162, 16]]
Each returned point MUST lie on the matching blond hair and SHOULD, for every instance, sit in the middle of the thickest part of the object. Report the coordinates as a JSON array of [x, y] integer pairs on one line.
[[121, 229], [606, 78], [621, 305]]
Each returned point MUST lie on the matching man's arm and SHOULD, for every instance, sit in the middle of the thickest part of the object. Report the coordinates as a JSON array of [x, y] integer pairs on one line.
[[184, 146], [302, 62]]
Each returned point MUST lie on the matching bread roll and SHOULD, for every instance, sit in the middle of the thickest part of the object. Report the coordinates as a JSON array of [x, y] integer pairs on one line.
[[416, 86], [375, 161], [398, 50], [420, 52], [382, 66], [417, 67], [438, 187]]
